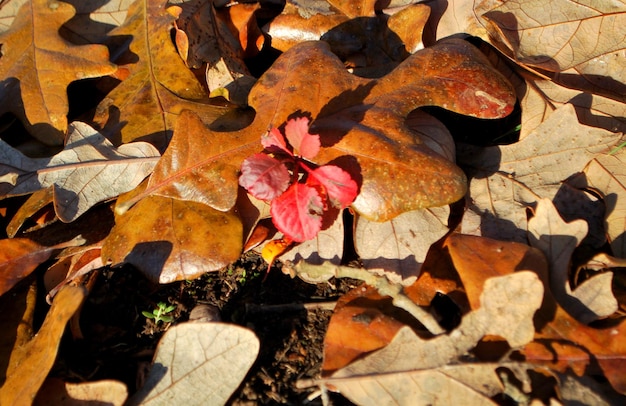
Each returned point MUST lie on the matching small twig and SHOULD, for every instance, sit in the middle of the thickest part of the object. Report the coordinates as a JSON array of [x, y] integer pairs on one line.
[[327, 270], [253, 308]]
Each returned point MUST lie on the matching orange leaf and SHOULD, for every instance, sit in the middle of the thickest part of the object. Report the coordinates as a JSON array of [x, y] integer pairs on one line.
[[354, 116], [38, 65], [31, 363], [362, 322], [18, 258]]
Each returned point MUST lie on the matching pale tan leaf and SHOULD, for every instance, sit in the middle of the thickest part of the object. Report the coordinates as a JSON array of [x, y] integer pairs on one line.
[[442, 386], [8, 11], [606, 174], [561, 34], [540, 98], [450, 18], [93, 20], [399, 246], [433, 133], [198, 364], [520, 294], [327, 246], [557, 239], [232, 84], [59, 393], [505, 180], [89, 170], [412, 370]]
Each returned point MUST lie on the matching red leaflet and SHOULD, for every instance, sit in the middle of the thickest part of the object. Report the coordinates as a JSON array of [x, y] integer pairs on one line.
[[298, 200], [264, 177], [297, 133], [297, 213], [273, 140], [338, 184]]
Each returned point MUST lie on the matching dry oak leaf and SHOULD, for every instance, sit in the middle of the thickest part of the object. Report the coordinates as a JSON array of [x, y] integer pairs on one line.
[[504, 180], [94, 20], [398, 247], [31, 363], [219, 38], [463, 384], [360, 122], [458, 16], [198, 364], [477, 259], [170, 240], [548, 232], [20, 256], [159, 86], [565, 344], [38, 65], [520, 294], [362, 321], [568, 34], [89, 170], [105, 392], [372, 46], [606, 174]]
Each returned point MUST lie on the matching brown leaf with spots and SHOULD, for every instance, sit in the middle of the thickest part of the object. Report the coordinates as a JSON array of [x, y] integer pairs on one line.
[[169, 239], [360, 122]]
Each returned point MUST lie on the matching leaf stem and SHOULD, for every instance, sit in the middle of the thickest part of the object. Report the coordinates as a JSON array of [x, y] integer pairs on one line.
[[327, 270]]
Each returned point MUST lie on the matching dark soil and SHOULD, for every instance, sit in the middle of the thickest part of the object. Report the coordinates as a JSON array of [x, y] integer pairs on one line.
[[289, 317]]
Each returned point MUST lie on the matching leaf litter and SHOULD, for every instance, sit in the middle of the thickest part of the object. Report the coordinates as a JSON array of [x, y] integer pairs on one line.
[[498, 271]]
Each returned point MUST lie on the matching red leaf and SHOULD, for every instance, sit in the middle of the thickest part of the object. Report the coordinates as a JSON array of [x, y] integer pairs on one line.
[[297, 213], [339, 185], [273, 139], [297, 133], [264, 177]]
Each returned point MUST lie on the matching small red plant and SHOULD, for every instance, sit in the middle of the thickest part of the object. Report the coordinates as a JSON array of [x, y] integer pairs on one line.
[[300, 193]]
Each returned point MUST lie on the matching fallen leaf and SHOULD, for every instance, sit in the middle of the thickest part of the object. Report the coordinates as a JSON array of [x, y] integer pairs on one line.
[[399, 174], [38, 65], [363, 321], [520, 293], [476, 259], [326, 246], [57, 392], [192, 361], [39, 202], [89, 170], [458, 16], [564, 344], [94, 20], [31, 363], [505, 180], [399, 246], [539, 98], [447, 385], [20, 256], [371, 45], [593, 299], [17, 313], [218, 37], [170, 240], [563, 40], [606, 175], [159, 86]]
